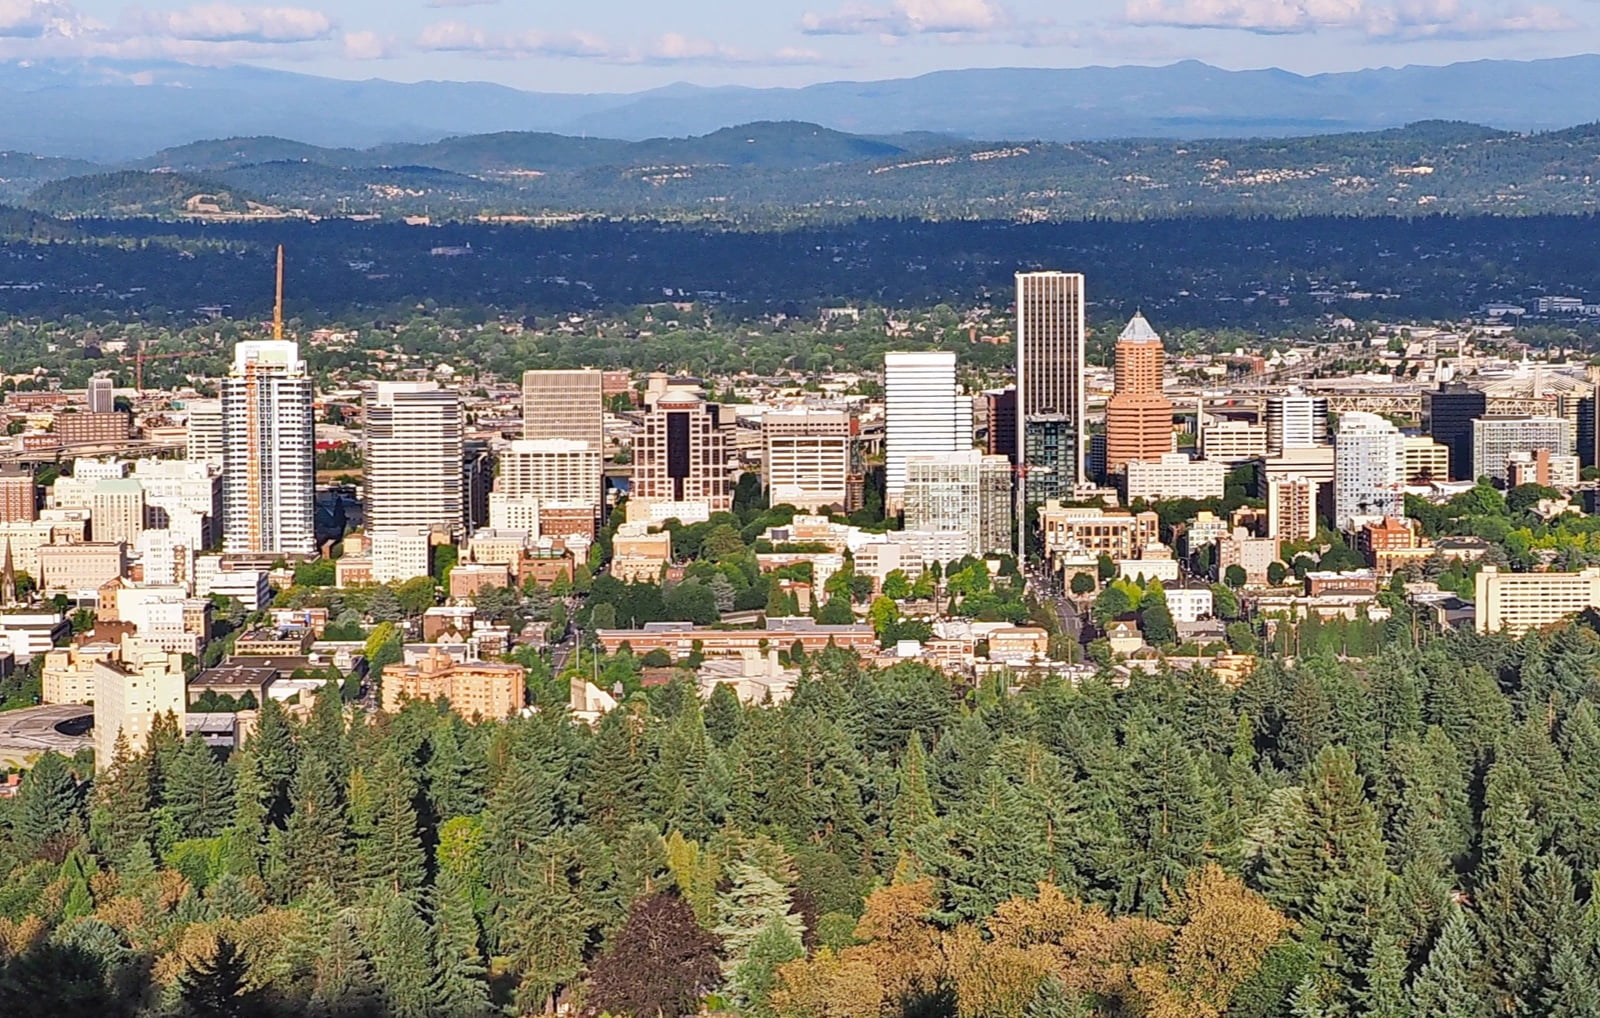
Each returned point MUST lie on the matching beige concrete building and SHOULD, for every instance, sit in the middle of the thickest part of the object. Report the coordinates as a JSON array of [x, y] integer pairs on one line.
[[1292, 508], [1233, 442], [637, 555], [131, 693], [566, 405], [69, 568], [69, 675], [117, 510], [480, 688], [1424, 460], [812, 459], [1118, 534], [1514, 603]]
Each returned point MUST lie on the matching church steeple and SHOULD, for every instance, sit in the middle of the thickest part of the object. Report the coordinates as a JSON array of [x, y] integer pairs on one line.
[[8, 578]]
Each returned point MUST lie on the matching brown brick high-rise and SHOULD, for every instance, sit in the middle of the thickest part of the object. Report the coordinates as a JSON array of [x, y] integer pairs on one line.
[[1138, 416]]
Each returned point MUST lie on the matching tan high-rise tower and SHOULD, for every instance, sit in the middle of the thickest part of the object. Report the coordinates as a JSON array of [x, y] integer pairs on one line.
[[1138, 416]]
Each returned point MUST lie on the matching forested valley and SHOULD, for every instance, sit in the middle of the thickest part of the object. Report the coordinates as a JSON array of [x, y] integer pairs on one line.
[[1413, 834]]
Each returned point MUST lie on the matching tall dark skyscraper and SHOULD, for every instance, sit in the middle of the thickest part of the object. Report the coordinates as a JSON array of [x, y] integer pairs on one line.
[[1002, 406], [1447, 415], [1050, 396], [1589, 429]]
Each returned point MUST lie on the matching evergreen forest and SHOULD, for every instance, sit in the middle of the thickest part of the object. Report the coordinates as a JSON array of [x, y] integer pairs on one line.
[[1414, 833]]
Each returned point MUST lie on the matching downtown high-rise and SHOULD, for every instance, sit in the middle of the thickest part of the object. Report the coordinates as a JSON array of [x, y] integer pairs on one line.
[[269, 452], [413, 457], [1138, 416], [924, 413], [1051, 422]]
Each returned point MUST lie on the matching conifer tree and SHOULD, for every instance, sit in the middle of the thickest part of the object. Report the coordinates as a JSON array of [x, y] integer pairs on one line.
[[46, 811], [913, 803], [752, 902], [1446, 986], [460, 983], [391, 853], [752, 981], [124, 796], [318, 833], [346, 984], [402, 956], [198, 797], [218, 986]]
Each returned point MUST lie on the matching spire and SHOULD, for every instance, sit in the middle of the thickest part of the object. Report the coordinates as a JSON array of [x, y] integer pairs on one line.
[[8, 578], [1138, 330]]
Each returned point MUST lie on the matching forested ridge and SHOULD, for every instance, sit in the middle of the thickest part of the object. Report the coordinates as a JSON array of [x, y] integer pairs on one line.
[[1416, 834], [781, 173]]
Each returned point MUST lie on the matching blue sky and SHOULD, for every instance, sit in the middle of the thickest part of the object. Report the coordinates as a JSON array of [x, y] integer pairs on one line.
[[623, 45]]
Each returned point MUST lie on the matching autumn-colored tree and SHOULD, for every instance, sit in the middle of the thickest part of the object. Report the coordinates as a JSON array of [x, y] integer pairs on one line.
[[659, 965]]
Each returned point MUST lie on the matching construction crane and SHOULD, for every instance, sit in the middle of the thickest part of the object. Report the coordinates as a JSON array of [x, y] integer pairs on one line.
[[138, 359], [277, 305]]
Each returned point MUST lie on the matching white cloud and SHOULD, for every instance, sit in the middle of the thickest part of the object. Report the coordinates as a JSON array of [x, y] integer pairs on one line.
[[907, 18], [220, 22], [671, 48], [32, 19], [1395, 20], [368, 45], [460, 37]]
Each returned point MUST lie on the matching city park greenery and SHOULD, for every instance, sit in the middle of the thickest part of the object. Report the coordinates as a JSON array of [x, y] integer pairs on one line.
[[1411, 833]]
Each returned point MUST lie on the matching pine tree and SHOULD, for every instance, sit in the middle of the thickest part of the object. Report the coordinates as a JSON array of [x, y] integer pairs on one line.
[[615, 795], [752, 981], [391, 853], [318, 830], [753, 902], [198, 798], [217, 987], [46, 812], [402, 956], [323, 735], [724, 716], [273, 752], [1446, 987], [460, 984], [1332, 835], [346, 985], [913, 803], [1573, 990], [124, 796], [455, 773], [1384, 995], [230, 898]]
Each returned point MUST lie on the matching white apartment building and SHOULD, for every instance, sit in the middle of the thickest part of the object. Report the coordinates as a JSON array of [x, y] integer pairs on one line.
[[965, 491], [399, 553], [412, 475], [117, 510], [247, 586], [1175, 475], [269, 446], [1514, 603], [924, 414], [1494, 439], [565, 470], [184, 496], [1369, 478]]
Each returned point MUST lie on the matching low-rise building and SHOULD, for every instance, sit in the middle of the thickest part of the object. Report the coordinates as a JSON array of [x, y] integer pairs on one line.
[[473, 688], [26, 633], [1515, 603], [679, 639], [1118, 535], [1252, 554], [69, 674], [1175, 476], [468, 578], [638, 555], [1190, 604], [74, 568]]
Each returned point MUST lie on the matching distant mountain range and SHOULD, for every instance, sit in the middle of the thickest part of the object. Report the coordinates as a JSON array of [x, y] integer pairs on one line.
[[782, 173], [114, 111]]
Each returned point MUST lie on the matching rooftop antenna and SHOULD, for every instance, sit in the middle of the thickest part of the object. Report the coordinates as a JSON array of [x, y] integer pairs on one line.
[[277, 308]]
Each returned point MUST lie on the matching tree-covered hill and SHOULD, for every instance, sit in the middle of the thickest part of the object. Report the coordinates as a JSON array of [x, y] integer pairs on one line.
[[778, 173], [132, 193]]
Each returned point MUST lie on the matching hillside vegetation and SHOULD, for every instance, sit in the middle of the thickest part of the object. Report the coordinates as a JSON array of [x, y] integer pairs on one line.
[[781, 172]]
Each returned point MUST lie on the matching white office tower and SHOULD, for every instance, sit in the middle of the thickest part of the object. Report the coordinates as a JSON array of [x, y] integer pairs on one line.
[[1495, 439], [965, 491], [269, 447], [101, 397], [1368, 470], [203, 440], [1295, 421], [924, 412], [413, 457], [399, 553]]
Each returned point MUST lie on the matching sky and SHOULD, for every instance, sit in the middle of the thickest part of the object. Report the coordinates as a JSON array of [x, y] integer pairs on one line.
[[627, 45]]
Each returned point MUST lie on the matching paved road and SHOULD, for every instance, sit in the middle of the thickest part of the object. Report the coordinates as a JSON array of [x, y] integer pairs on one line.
[[34, 730]]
